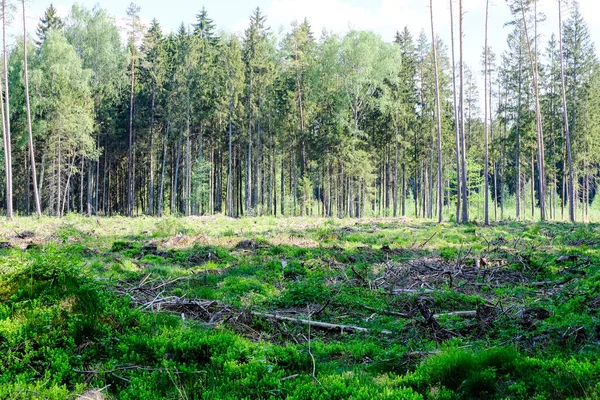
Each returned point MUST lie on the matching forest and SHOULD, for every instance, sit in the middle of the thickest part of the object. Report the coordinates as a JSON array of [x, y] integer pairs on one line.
[[293, 214], [202, 122]]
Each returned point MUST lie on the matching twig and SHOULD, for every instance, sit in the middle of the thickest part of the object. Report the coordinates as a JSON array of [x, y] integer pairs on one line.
[[314, 364], [427, 241]]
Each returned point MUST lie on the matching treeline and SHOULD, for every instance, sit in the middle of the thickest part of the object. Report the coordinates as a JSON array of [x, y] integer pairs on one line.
[[198, 122]]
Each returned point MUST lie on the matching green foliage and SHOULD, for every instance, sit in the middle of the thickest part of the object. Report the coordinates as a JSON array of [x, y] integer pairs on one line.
[[305, 292], [59, 315]]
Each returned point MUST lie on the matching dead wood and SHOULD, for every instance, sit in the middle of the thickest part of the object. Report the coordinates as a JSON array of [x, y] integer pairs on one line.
[[462, 314], [316, 324], [440, 333], [388, 312]]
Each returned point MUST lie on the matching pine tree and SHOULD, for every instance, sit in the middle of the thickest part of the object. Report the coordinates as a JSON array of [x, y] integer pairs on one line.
[[153, 75], [205, 28], [134, 28], [232, 82], [256, 67], [50, 21]]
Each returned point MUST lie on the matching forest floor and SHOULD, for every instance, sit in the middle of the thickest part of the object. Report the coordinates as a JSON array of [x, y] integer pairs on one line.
[[298, 308]]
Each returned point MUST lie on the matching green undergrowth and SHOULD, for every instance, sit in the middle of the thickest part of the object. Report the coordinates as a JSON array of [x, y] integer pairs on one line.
[[64, 329]]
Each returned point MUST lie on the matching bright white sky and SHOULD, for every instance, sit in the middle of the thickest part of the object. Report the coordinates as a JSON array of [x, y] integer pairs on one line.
[[382, 16]]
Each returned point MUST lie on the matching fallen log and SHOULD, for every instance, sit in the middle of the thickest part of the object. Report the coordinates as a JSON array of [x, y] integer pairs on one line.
[[316, 324], [462, 314]]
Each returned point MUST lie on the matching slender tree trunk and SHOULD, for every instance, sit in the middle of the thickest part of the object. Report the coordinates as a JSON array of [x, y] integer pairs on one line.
[[188, 155], [540, 133], [396, 155], [151, 180], [486, 171], [104, 182], [130, 193], [439, 120], [59, 179], [456, 119], [90, 193], [174, 199], [249, 155], [7, 134], [570, 185], [230, 165], [282, 188], [82, 179], [7, 152], [67, 189], [36, 193], [532, 185], [27, 185], [465, 200], [518, 127], [97, 177], [188, 171], [161, 194]]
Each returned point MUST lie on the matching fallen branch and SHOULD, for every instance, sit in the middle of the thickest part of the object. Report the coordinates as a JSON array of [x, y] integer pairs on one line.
[[427, 241], [401, 291], [128, 368], [462, 314], [316, 324], [549, 283], [388, 312]]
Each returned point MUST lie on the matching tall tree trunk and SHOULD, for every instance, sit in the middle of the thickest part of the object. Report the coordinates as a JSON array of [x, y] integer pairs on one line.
[[439, 121], [249, 155], [104, 182], [36, 193], [518, 155], [90, 192], [456, 120], [174, 206], [282, 183], [229, 165], [188, 157], [395, 189], [130, 193], [58, 180], [538, 112], [570, 185], [151, 180], [7, 151], [81, 181], [486, 171], [465, 200], [97, 177], [7, 134], [532, 185], [161, 194]]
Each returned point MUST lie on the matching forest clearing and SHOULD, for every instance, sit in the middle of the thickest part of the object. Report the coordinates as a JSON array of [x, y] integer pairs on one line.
[[401, 205], [299, 308]]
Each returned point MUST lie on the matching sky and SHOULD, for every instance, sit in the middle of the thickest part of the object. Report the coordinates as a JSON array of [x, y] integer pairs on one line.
[[384, 17]]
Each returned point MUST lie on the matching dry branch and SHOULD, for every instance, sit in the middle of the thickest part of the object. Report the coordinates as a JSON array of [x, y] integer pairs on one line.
[[462, 314], [316, 324]]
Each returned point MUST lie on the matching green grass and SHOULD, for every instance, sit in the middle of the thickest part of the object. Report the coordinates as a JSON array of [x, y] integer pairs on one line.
[[64, 329]]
